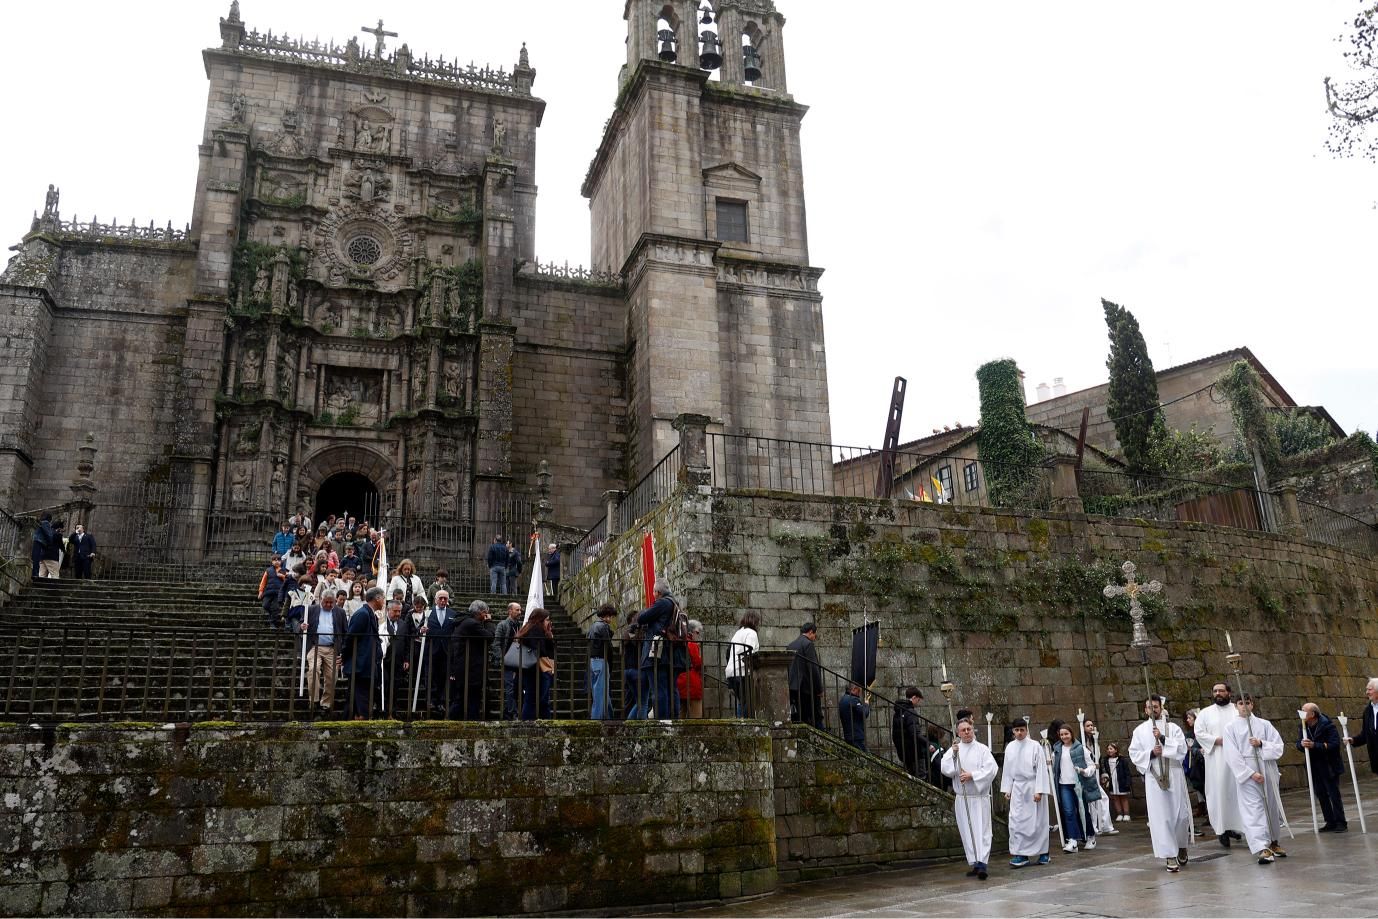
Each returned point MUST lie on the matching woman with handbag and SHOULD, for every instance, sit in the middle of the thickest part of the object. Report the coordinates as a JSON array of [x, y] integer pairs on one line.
[[532, 655]]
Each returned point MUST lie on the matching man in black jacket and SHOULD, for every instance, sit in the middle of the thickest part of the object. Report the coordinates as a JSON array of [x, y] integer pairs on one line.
[[325, 627], [496, 560], [1322, 738], [907, 734], [468, 663], [806, 678], [441, 623], [42, 537], [1368, 731], [83, 552]]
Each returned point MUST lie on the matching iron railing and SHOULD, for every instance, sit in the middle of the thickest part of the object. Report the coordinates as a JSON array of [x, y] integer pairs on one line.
[[107, 673], [655, 486], [1338, 529], [1168, 499], [588, 548]]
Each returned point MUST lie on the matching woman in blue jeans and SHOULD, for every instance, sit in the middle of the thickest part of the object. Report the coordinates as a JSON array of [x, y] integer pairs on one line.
[[1074, 777]]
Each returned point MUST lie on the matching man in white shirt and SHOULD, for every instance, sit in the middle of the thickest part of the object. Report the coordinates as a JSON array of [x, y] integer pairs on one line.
[[971, 789], [1024, 782], [1253, 748], [1222, 794]]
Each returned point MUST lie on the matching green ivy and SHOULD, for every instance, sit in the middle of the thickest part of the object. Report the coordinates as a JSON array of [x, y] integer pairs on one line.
[[1006, 445], [1244, 389]]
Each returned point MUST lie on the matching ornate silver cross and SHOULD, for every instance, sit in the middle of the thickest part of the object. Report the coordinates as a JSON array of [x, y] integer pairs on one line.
[[1132, 589]]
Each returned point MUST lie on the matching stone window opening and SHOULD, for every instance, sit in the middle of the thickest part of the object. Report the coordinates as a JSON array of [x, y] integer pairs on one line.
[[364, 251], [667, 36], [971, 477], [732, 221], [945, 480], [753, 55]]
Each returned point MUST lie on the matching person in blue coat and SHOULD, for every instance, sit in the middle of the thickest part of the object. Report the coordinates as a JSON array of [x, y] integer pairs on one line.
[[362, 654], [283, 540], [852, 711]]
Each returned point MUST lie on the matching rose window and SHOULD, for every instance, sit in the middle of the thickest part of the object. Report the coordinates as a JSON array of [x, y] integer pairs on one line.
[[364, 250]]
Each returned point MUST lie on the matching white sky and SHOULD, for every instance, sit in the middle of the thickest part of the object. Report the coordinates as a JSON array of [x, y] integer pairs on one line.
[[978, 174]]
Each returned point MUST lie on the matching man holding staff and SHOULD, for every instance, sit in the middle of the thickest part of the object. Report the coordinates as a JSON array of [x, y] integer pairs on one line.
[[1368, 728], [1253, 748], [971, 782], [1157, 750], [1322, 738]]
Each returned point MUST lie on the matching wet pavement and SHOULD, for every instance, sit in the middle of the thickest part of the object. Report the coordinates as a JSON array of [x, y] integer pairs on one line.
[[1325, 876]]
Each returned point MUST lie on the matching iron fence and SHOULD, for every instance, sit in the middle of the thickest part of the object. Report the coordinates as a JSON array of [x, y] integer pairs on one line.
[[1338, 529], [1167, 499], [107, 673], [588, 548], [655, 486]]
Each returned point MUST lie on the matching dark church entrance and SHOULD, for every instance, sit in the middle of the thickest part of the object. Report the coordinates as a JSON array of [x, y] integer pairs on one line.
[[351, 493]]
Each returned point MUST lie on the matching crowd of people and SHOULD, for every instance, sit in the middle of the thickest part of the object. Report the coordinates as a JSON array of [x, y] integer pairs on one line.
[[1227, 755], [403, 645]]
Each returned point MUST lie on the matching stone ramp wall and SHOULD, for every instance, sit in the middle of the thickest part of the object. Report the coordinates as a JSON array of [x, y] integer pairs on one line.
[[838, 812]]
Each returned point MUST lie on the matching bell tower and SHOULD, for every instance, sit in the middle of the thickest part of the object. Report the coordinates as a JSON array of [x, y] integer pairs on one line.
[[697, 197]]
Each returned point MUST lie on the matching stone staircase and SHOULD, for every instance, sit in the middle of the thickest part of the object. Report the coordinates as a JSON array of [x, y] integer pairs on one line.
[[188, 650]]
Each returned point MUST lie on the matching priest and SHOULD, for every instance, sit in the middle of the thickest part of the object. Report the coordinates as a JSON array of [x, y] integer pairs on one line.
[[1024, 782], [971, 790], [1222, 796], [1156, 750], [1252, 748]]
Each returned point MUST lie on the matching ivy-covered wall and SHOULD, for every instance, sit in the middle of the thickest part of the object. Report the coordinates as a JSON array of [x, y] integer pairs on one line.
[[1012, 600]]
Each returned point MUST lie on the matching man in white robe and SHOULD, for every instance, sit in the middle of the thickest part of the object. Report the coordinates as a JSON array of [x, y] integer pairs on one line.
[[1158, 742], [971, 785], [1222, 791], [1024, 782], [1099, 808], [1252, 748]]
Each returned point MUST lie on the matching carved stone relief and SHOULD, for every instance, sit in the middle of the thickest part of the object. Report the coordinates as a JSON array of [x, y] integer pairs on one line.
[[356, 393]]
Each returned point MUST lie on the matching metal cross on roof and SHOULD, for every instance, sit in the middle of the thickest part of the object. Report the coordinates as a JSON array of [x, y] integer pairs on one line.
[[1132, 589], [378, 35]]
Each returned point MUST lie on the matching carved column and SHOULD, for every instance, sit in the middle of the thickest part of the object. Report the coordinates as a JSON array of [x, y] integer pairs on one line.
[[83, 488], [611, 500], [270, 364], [232, 366], [433, 373], [282, 279], [730, 34], [544, 508], [770, 685], [693, 449], [1062, 472]]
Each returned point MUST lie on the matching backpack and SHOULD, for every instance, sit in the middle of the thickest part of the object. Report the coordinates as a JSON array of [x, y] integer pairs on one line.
[[677, 629]]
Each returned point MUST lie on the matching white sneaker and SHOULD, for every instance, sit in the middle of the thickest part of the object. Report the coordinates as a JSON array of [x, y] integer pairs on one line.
[[1071, 846], [1091, 842], [1109, 831]]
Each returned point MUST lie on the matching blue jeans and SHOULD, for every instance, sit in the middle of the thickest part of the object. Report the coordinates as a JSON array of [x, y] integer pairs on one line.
[[660, 680], [1071, 814], [497, 579], [598, 689], [509, 693], [631, 694]]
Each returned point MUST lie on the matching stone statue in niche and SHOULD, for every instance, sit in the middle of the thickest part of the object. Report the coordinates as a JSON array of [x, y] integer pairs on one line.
[[418, 387], [367, 184], [330, 314], [261, 286], [446, 487], [250, 368], [360, 391], [238, 109], [278, 483], [287, 375], [239, 485], [454, 380], [373, 138], [386, 321], [499, 137]]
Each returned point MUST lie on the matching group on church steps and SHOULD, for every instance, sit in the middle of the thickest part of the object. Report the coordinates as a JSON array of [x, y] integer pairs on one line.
[[1238, 749]]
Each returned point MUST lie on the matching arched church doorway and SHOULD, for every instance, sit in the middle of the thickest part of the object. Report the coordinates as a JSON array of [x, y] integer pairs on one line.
[[351, 493]]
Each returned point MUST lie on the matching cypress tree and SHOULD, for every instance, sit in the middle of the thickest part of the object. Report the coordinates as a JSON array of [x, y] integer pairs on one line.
[[1132, 399]]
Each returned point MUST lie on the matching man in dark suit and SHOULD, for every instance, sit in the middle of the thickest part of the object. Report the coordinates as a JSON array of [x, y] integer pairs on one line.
[[83, 551], [394, 656], [907, 734], [363, 654], [325, 626], [469, 648], [806, 678], [441, 623], [1368, 732], [1322, 738]]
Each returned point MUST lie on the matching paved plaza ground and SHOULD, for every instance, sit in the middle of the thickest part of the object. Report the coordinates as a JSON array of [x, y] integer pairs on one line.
[[1325, 876]]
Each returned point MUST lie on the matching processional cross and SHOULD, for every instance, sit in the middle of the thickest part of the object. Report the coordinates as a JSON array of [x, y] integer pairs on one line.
[[1140, 640], [378, 35]]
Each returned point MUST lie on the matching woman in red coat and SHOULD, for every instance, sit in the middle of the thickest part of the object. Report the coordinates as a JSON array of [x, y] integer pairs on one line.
[[690, 682]]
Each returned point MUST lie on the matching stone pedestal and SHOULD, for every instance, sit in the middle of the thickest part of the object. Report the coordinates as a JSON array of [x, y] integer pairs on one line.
[[693, 448], [1062, 470], [770, 684], [1291, 513]]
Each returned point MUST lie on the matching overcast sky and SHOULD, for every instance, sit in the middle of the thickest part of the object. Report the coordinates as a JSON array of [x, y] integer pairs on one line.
[[978, 175]]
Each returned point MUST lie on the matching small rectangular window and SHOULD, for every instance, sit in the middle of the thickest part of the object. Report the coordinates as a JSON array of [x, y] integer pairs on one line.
[[945, 478], [732, 221], [971, 476]]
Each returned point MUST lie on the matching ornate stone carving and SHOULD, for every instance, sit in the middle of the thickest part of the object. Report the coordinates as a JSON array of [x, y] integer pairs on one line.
[[278, 187], [447, 489], [364, 221], [499, 137], [356, 393], [368, 183], [780, 277], [241, 477], [250, 367], [278, 484]]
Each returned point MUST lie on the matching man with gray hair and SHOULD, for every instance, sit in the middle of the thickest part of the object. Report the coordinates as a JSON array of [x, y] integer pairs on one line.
[[440, 627], [363, 654], [325, 626], [468, 663], [1368, 732], [658, 655]]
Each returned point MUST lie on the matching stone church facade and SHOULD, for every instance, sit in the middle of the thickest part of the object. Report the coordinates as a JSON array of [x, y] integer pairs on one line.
[[355, 316]]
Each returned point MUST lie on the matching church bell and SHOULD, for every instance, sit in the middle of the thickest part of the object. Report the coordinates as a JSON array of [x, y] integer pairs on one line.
[[710, 57], [751, 62], [667, 45]]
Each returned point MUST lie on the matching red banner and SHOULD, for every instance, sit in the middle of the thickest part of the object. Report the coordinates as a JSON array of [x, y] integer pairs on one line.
[[648, 568]]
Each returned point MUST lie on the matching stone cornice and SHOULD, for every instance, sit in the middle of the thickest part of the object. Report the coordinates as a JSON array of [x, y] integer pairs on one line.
[[678, 253]]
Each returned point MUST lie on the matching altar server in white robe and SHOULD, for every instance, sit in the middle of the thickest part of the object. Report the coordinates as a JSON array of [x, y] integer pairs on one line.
[[1099, 808], [971, 786], [1159, 743], [1024, 782], [1222, 791], [1252, 748]]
